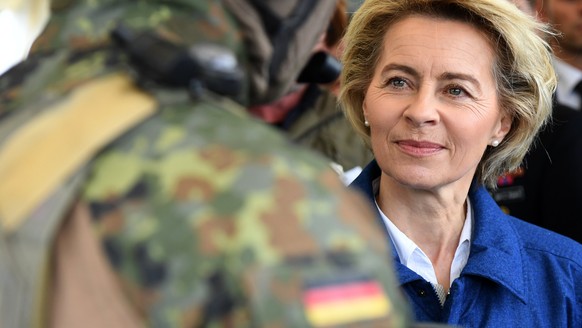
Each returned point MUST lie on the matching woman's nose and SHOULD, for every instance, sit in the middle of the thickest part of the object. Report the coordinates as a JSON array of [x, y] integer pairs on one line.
[[422, 109]]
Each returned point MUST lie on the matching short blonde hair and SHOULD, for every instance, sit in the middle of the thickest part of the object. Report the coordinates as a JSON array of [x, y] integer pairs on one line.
[[522, 69]]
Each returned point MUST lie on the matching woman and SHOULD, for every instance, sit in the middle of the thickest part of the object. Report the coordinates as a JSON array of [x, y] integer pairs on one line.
[[449, 94]]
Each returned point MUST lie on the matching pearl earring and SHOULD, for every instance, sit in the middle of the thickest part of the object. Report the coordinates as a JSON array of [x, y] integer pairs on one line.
[[366, 123], [495, 143]]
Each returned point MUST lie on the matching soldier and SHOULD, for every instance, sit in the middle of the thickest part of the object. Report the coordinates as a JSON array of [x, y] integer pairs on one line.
[[136, 191]]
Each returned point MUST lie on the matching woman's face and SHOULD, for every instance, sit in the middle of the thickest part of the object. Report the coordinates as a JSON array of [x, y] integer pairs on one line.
[[432, 105]]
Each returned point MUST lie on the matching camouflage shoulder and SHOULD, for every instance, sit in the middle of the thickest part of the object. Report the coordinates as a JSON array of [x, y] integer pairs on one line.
[[79, 25], [209, 216]]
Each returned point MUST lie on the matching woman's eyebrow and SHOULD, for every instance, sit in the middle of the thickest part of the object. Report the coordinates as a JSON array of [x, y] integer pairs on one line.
[[461, 76], [400, 67]]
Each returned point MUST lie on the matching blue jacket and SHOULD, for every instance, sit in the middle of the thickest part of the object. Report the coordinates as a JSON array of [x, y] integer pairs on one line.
[[517, 274]]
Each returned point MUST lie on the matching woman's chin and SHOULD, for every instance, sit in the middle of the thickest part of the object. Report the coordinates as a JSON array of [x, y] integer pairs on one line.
[[418, 181]]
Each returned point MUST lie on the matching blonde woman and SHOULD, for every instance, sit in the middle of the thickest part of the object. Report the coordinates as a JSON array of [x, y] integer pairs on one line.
[[450, 94]]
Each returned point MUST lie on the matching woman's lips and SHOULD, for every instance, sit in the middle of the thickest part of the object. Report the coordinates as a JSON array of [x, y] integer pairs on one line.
[[419, 148]]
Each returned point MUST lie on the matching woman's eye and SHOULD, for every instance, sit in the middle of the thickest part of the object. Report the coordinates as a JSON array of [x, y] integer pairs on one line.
[[456, 91], [396, 82]]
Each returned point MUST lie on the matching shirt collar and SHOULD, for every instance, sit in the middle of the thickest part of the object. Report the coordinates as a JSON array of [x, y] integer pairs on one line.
[[568, 77], [495, 246], [405, 247]]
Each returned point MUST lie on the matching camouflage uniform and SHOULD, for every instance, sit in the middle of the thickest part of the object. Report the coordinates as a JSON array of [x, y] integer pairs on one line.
[[317, 121], [188, 214], [324, 128]]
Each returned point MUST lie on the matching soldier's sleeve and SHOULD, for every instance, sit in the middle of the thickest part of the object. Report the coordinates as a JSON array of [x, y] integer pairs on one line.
[[328, 269], [209, 219]]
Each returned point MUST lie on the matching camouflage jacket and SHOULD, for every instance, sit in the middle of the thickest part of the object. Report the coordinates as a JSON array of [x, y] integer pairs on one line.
[[191, 212], [323, 127]]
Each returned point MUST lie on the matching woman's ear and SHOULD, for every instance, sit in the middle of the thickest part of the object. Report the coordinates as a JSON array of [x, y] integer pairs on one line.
[[503, 127], [364, 111]]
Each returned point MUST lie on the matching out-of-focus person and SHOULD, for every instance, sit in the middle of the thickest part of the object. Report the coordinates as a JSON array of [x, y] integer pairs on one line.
[[318, 122], [565, 16], [547, 188], [136, 191], [310, 114], [450, 94]]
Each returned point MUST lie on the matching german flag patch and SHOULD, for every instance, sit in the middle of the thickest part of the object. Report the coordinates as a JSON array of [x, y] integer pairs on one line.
[[345, 301]]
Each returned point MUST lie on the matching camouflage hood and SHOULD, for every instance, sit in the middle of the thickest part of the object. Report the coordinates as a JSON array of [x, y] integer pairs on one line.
[[280, 36], [273, 39]]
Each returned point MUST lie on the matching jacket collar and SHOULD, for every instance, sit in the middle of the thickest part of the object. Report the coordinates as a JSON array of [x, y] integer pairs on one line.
[[495, 248]]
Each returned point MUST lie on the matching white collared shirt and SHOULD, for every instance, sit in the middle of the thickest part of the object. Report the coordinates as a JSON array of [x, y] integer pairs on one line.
[[416, 260], [568, 78]]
